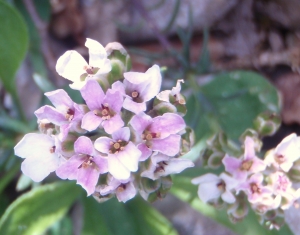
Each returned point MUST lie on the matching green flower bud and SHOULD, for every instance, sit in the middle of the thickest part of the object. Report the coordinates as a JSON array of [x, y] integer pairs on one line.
[[267, 123]]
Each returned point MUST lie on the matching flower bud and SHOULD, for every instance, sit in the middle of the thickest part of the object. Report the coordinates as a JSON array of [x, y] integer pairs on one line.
[[187, 140], [266, 124], [120, 61]]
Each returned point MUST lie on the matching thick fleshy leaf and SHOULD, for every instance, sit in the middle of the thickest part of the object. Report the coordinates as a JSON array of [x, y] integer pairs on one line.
[[135, 217], [37, 210], [231, 101], [13, 44]]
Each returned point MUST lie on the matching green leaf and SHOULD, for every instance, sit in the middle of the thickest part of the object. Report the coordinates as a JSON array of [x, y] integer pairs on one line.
[[35, 211], [236, 98], [184, 190], [13, 44], [135, 217], [8, 176]]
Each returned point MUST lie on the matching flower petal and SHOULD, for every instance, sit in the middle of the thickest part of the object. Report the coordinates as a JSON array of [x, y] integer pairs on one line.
[[117, 169], [129, 157], [71, 65], [169, 123], [102, 144], [84, 145], [122, 134], [90, 121], [93, 94], [97, 53], [88, 178], [169, 146]]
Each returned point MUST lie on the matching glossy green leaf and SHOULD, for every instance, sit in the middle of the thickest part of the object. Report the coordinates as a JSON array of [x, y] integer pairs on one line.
[[234, 99], [35, 211], [135, 217], [184, 190], [13, 44]]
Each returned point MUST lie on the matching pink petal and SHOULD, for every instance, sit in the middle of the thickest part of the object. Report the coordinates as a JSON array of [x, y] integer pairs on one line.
[[102, 164], [114, 99], [90, 121], [69, 169], [169, 123], [140, 122], [134, 107], [113, 124], [169, 146], [93, 94], [127, 194], [122, 134], [84, 145], [102, 144], [88, 178], [60, 99], [51, 114], [146, 152]]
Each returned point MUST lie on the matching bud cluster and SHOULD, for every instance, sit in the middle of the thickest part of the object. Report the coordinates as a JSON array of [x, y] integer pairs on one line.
[[264, 184], [113, 144]]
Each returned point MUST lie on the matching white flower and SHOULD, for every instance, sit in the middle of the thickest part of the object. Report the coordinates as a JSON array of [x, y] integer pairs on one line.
[[211, 187], [72, 66], [286, 152]]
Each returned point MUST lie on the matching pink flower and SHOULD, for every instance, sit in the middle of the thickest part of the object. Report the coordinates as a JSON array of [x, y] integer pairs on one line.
[[105, 109], [158, 134], [66, 114], [41, 157], [248, 164], [282, 187], [72, 66], [138, 88], [212, 187], [124, 190], [122, 154], [85, 166], [254, 188], [163, 165]]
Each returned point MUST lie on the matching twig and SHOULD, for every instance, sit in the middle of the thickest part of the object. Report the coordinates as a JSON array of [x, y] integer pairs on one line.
[[42, 28]]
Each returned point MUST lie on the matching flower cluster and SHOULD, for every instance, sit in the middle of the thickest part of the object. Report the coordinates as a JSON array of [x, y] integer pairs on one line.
[[113, 143], [267, 185]]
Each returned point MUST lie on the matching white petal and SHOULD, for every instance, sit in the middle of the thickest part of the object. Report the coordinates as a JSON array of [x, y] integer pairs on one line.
[[97, 53], [209, 177], [34, 145], [71, 65]]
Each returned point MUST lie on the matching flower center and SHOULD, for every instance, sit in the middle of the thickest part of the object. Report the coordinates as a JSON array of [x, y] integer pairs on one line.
[[87, 162], [221, 186], [149, 135], [118, 146], [160, 168], [135, 94], [255, 188], [246, 165], [105, 113], [70, 114], [279, 158], [121, 188], [52, 149], [90, 69]]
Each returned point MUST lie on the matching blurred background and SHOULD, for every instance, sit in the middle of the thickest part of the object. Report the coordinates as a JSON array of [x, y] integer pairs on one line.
[[195, 40]]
